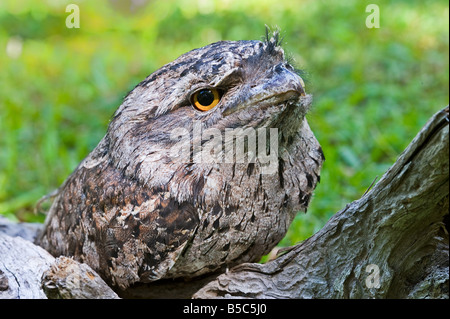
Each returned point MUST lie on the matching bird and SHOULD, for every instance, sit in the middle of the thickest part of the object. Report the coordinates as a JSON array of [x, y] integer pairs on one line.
[[203, 167]]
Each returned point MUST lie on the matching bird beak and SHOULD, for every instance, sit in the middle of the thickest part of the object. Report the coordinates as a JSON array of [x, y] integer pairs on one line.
[[280, 86]]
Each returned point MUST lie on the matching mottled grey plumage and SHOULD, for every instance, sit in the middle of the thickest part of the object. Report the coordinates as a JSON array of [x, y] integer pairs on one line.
[[135, 214]]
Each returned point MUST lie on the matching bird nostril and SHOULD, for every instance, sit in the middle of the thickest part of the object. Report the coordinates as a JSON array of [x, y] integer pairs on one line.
[[279, 68]]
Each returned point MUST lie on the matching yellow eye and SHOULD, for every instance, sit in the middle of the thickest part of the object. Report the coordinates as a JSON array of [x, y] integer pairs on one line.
[[206, 99]]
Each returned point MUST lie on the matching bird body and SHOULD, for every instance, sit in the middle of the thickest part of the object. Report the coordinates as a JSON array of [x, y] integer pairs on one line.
[[164, 195]]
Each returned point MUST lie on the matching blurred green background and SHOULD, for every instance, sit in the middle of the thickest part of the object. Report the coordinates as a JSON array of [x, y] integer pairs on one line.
[[373, 88]]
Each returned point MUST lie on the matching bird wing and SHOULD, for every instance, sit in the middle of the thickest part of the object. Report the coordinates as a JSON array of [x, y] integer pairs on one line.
[[123, 229]]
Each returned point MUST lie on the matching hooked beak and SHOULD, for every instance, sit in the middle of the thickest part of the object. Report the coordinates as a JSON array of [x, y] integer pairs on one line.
[[280, 86]]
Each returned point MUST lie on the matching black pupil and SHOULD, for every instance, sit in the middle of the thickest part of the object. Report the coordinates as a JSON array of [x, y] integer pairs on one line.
[[205, 97]]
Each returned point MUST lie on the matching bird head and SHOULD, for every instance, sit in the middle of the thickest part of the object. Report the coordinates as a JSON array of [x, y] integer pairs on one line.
[[221, 84], [224, 85]]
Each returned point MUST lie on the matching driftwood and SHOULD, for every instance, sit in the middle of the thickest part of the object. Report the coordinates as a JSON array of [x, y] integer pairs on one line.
[[21, 266], [28, 271], [68, 279], [391, 243]]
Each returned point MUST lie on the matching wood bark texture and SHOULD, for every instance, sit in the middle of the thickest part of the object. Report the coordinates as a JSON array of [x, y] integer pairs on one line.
[[28, 271], [21, 266], [69, 279], [391, 243]]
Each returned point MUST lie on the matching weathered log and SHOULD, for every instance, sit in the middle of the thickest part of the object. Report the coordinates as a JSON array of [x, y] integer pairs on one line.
[[391, 243], [69, 279], [21, 266], [28, 271], [28, 231]]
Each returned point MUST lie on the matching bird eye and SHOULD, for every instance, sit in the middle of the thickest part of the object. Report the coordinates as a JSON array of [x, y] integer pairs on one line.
[[206, 99]]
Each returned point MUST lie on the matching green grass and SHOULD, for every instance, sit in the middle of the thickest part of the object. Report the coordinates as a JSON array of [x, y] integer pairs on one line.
[[373, 88]]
